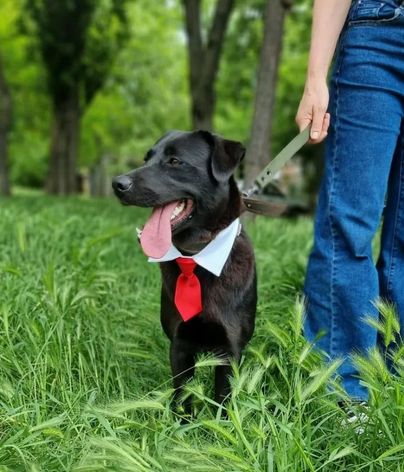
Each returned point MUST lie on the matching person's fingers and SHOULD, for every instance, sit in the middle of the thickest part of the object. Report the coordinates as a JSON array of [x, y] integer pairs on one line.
[[326, 124], [313, 111], [302, 123], [324, 129], [304, 115], [317, 124]]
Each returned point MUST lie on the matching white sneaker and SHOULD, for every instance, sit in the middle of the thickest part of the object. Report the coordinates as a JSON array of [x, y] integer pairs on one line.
[[354, 416]]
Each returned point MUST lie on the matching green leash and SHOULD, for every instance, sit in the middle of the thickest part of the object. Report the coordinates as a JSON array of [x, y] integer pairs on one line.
[[268, 173]]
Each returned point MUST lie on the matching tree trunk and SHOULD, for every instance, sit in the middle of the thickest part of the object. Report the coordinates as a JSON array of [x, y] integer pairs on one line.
[[5, 125], [258, 152], [64, 146], [204, 59]]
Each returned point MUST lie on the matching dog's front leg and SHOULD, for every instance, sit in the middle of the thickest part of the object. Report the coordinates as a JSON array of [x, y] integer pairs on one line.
[[223, 374], [222, 382], [182, 359]]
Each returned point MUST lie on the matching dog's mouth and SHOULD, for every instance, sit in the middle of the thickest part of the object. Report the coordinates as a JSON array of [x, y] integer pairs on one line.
[[156, 236], [182, 211]]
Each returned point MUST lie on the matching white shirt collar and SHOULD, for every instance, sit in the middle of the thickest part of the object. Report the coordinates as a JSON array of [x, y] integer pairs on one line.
[[213, 257]]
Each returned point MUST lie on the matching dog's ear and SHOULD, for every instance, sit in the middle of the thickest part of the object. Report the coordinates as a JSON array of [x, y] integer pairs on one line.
[[226, 155]]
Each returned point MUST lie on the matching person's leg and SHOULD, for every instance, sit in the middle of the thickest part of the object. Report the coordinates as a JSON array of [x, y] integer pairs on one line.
[[390, 265], [366, 111]]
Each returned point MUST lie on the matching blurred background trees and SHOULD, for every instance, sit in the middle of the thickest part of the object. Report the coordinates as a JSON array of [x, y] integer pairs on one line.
[[93, 83], [259, 147], [5, 124], [204, 58], [78, 41]]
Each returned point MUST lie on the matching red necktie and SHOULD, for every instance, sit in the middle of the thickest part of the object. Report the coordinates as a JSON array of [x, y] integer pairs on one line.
[[188, 295]]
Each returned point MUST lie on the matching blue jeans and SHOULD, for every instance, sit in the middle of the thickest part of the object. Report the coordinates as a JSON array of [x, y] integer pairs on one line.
[[364, 171]]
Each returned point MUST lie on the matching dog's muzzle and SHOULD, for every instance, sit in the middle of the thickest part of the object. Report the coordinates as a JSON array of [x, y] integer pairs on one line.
[[121, 184]]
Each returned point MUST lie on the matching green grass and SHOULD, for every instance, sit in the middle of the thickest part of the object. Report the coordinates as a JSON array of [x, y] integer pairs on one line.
[[84, 376]]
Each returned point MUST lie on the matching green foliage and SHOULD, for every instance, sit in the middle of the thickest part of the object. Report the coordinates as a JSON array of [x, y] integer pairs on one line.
[[30, 167], [28, 139], [78, 40], [237, 79], [106, 35], [145, 94], [84, 376], [61, 28], [146, 91], [238, 70], [292, 71]]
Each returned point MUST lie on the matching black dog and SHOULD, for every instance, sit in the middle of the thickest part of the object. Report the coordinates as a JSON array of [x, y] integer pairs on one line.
[[188, 179]]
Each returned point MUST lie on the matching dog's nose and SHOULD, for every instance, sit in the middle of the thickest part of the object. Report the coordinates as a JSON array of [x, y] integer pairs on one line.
[[121, 184]]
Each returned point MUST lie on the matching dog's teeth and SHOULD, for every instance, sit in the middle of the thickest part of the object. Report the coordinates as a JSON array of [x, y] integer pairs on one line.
[[177, 210], [138, 232]]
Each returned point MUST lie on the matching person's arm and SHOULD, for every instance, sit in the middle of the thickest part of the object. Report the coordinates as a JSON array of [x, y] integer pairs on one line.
[[328, 19]]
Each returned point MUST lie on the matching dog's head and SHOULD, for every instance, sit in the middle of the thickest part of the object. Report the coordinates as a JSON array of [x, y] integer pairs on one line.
[[186, 177]]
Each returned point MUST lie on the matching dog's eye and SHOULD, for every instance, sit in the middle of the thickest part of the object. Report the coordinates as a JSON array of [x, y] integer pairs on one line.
[[173, 161]]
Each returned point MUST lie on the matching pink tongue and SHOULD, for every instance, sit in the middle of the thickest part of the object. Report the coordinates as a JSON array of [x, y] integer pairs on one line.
[[156, 235]]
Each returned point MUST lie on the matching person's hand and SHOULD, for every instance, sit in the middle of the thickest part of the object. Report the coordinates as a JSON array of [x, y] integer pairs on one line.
[[313, 109]]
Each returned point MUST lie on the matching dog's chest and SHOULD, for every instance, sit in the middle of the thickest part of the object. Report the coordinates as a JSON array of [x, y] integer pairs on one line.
[[208, 335]]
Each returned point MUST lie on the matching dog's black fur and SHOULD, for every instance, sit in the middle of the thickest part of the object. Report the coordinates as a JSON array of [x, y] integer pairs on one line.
[[199, 166]]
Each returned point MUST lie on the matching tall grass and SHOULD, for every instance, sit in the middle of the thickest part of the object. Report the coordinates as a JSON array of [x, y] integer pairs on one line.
[[84, 376]]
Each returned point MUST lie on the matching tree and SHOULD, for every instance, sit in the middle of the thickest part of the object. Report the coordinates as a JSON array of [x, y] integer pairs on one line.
[[259, 148], [127, 115], [78, 40], [5, 125], [204, 58]]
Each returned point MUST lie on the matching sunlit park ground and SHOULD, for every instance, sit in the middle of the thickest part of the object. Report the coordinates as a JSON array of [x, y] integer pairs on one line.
[[84, 374]]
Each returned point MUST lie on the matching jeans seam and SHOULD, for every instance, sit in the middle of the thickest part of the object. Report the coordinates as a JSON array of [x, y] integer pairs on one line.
[[332, 193], [396, 223], [330, 217]]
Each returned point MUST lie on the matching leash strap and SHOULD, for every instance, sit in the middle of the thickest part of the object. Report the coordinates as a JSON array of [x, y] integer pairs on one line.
[[269, 172], [263, 207]]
